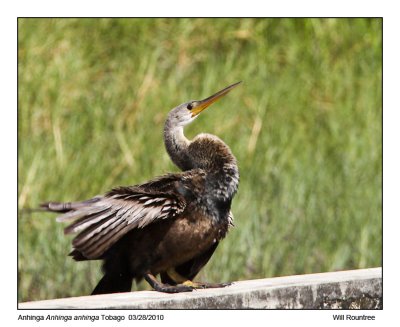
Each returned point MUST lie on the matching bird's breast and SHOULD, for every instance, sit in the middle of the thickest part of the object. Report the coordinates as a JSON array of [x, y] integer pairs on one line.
[[184, 238]]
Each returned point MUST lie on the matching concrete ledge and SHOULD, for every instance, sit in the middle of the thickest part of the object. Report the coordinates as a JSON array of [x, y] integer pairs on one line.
[[353, 289]]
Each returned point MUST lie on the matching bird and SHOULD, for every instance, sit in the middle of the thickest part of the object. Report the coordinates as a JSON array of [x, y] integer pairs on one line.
[[169, 226]]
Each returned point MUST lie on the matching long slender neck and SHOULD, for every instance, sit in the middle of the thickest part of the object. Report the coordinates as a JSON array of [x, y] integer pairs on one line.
[[177, 145], [214, 157]]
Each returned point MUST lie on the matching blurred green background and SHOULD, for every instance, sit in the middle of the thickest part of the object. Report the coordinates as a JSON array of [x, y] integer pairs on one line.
[[305, 126]]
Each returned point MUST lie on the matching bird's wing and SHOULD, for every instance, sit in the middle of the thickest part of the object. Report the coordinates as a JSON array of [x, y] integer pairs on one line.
[[103, 220]]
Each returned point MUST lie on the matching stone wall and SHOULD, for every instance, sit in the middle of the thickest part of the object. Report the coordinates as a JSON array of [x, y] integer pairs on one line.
[[354, 289]]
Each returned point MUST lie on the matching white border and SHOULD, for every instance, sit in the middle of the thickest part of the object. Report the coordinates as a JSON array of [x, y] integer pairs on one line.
[[8, 124]]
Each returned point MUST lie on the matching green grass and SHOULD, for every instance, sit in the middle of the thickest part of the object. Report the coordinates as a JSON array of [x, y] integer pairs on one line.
[[305, 126]]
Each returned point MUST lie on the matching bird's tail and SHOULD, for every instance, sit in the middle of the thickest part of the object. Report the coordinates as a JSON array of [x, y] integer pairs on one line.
[[60, 207], [57, 206], [63, 207], [113, 284]]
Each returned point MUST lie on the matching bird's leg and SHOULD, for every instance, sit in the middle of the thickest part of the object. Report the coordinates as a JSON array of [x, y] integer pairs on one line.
[[160, 287], [203, 285], [181, 280]]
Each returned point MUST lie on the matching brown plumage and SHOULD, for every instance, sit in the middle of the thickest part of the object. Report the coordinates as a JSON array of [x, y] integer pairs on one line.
[[170, 225]]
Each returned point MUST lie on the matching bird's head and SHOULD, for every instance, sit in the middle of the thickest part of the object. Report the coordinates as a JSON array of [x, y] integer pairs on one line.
[[189, 111]]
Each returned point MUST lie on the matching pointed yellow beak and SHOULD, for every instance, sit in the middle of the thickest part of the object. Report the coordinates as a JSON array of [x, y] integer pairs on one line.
[[199, 106]]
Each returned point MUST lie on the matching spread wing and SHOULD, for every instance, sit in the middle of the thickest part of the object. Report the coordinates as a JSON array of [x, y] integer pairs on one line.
[[103, 220]]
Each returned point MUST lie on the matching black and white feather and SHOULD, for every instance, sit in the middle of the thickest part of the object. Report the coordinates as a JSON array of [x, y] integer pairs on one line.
[[101, 221]]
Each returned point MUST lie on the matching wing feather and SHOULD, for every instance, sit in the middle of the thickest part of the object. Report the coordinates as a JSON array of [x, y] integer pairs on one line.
[[95, 249], [100, 223], [87, 221]]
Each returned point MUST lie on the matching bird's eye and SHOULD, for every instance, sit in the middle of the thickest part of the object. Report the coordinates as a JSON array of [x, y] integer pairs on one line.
[[190, 106]]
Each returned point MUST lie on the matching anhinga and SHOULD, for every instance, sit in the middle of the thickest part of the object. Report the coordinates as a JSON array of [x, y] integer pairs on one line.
[[170, 225]]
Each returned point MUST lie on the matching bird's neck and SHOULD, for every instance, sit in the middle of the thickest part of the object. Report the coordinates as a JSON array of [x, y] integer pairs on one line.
[[215, 159], [177, 146], [206, 152]]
